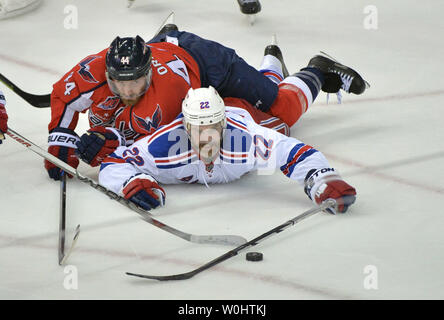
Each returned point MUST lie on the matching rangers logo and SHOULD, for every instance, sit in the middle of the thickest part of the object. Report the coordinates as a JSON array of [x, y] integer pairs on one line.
[[84, 69], [109, 103], [150, 124]]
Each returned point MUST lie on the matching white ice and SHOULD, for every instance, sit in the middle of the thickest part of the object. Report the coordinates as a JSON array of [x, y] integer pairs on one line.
[[388, 143]]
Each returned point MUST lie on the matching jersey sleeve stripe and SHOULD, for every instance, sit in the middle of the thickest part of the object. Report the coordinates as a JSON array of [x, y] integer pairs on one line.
[[173, 125], [300, 152], [175, 158], [237, 124], [229, 154], [110, 160], [270, 120]]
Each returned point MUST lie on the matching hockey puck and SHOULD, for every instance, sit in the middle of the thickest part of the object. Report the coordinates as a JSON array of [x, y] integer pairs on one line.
[[254, 256]]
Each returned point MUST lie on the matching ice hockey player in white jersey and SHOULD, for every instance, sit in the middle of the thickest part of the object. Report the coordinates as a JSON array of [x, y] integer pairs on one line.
[[213, 143]]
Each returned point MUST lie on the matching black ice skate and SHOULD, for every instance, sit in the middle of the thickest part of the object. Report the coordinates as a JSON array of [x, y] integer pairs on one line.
[[338, 76], [167, 28], [249, 6], [275, 51]]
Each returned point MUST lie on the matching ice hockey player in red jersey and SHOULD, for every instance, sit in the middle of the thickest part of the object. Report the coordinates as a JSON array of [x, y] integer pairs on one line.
[[131, 89], [213, 143], [128, 91], [3, 117]]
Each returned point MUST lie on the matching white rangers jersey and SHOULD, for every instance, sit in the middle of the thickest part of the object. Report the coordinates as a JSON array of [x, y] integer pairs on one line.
[[168, 157]]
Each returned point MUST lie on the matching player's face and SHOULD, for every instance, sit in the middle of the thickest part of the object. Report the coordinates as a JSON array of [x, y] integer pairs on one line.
[[130, 91], [206, 140]]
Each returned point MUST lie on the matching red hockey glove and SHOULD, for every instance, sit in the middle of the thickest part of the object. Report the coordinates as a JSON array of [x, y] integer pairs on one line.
[[143, 190], [62, 144], [323, 184], [3, 115], [98, 143]]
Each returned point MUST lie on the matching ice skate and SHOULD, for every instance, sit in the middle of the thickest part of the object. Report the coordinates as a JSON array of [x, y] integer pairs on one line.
[[274, 50], [338, 76], [250, 8]]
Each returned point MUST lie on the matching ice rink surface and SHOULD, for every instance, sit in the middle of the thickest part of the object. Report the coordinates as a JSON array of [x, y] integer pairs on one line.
[[388, 143]]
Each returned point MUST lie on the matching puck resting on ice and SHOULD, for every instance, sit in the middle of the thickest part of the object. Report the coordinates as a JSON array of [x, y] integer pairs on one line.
[[254, 256]]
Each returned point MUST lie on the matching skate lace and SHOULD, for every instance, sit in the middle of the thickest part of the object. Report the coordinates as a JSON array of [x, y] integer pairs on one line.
[[346, 78], [338, 96], [346, 81]]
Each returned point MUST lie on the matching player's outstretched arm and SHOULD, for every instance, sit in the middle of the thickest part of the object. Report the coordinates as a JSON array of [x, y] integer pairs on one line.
[[305, 164]]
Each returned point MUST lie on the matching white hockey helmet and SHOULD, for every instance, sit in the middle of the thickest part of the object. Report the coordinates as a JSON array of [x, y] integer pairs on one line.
[[203, 106]]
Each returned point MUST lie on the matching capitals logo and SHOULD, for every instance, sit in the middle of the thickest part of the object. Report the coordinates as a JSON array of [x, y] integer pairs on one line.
[[150, 124], [84, 69], [109, 103]]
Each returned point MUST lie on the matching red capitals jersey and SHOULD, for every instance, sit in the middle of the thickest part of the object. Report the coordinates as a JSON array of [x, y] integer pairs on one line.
[[84, 88]]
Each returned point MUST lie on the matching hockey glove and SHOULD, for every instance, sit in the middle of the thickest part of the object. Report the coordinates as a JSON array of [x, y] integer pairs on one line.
[[3, 116], [62, 144], [97, 144], [323, 184], [143, 190]]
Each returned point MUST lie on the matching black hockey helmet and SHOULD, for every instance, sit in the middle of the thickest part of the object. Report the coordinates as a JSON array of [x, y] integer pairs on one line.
[[128, 59]]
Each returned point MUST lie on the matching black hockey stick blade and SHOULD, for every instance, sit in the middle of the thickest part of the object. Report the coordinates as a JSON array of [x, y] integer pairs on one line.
[[330, 203], [38, 101], [188, 275], [181, 276], [62, 218]]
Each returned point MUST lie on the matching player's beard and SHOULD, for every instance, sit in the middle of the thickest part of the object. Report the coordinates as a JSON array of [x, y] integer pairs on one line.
[[130, 91], [131, 102]]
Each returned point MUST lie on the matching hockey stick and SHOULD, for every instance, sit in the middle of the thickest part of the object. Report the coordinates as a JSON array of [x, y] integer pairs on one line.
[[38, 101], [62, 224], [183, 276], [145, 215]]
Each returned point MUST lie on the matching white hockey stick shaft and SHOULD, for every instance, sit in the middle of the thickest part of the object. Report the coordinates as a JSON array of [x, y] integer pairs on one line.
[[210, 239]]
